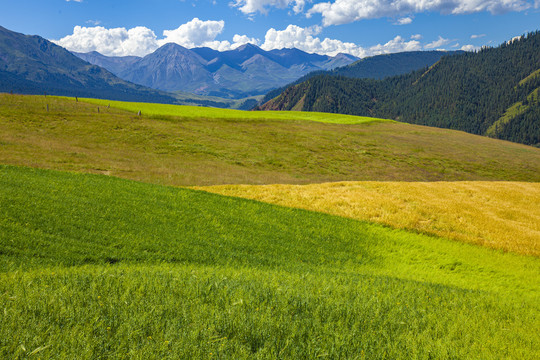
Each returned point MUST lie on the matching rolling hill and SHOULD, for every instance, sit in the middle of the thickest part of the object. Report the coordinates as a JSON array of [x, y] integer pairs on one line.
[[490, 92], [181, 145], [93, 266]]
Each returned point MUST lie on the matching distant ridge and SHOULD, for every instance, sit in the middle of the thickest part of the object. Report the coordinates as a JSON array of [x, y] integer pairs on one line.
[[375, 67], [493, 92], [245, 71], [33, 65]]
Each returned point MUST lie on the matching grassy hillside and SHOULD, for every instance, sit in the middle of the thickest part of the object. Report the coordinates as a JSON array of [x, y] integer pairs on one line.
[[213, 146], [196, 112], [499, 215], [98, 267]]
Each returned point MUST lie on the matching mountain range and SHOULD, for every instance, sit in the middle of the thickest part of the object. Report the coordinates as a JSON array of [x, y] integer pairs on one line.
[[493, 92], [33, 65], [245, 71]]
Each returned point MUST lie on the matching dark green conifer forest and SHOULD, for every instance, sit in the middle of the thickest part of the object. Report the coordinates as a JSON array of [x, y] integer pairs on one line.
[[492, 92]]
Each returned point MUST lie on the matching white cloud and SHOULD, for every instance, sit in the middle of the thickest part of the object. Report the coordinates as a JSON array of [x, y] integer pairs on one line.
[[199, 33], [141, 41], [113, 42], [346, 11], [437, 43], [261, 6], [477, 36], [397, 44], [75, 0], [469, 48], [404, 21], [194, 33], [305, 39]]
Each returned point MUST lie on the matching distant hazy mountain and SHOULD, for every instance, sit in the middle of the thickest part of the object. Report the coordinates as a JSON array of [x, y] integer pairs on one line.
[[113, 64], [493, 92], [245, 71], [33, 65]]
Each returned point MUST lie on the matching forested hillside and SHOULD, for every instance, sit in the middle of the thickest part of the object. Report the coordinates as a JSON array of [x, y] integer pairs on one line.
[[375, 67], [491, 92]]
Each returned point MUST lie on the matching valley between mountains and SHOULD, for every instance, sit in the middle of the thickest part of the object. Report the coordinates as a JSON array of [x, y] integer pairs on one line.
[[387, 217]]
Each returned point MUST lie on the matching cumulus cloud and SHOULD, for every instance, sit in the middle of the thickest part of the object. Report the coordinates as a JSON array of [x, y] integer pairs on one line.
[[403, 21], [305, 39], [141, 41], [113, 42], [346, 11], [440, 42], [194, 33], [261, 6], [469, 48]]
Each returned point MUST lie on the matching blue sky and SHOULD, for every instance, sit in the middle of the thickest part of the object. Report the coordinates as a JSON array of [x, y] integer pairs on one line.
[[359, 27]]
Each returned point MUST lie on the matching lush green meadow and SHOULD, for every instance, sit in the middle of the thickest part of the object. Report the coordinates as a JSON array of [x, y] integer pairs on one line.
[[197, 112], [98, 267], [93, 266], [202, 150]]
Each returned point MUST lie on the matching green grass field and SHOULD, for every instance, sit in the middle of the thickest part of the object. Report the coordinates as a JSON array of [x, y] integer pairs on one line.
[[93, 266], [197, 112], [208, 151], [97, 267]]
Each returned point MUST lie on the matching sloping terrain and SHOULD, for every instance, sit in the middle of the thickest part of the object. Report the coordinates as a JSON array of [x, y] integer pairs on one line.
[[93, 266], [471, 92], [199, 146], [375, 67], [499, 215], [33, 65], [98, 267]]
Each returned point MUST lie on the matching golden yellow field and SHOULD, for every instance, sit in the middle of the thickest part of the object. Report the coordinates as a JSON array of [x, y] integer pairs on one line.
[[499, 215]]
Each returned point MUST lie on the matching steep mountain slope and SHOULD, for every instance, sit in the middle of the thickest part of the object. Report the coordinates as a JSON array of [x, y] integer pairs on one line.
[[242, 72], [492, 92], [381, 66], [31, 64], [171, 67], [374, 67]]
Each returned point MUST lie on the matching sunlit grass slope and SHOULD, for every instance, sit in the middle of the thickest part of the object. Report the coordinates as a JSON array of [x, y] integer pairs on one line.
[[499, 215], [98, 267], [197, 112], [207, 151]]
